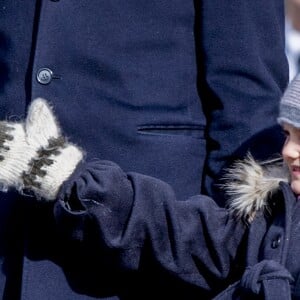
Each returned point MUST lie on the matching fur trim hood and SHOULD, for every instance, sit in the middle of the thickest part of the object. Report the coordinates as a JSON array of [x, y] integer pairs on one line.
[[249, 184]]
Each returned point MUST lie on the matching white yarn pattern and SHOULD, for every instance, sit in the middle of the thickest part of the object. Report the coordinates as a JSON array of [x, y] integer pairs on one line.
[[21, 144]]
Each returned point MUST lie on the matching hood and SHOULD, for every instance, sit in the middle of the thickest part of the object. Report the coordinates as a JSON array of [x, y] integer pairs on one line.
[[249, 184]]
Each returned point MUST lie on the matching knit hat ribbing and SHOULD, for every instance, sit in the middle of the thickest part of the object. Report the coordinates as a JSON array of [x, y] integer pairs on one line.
[[289, 108]]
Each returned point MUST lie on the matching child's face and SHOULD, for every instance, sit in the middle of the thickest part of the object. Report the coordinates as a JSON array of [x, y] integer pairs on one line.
[[291, 155]]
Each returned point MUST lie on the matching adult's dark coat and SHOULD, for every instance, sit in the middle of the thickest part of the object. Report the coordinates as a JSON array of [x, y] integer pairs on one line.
[[171, 89]]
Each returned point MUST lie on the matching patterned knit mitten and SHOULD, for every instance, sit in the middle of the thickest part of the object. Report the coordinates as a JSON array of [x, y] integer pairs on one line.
[[34, 155]]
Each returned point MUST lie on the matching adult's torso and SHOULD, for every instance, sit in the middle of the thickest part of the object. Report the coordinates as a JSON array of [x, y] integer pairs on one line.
[[124, 88], [124, 80]]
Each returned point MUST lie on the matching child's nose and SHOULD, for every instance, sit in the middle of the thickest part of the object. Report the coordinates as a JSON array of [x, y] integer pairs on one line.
[[291, 150]]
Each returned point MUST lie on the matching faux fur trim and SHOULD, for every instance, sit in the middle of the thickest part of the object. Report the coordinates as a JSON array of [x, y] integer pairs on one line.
[[249, 184]]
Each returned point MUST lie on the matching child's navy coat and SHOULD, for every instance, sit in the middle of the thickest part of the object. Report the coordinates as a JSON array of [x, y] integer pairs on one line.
[[135, 224]]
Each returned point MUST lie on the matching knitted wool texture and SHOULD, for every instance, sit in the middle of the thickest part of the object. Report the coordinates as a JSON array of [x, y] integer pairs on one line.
[[34, 155], [289, 109]]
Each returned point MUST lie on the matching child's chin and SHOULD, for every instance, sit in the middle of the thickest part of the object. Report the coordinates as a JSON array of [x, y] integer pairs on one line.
[[295, 185]]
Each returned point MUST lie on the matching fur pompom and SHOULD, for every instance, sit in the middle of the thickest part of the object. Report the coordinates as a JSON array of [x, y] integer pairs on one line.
[[249, 184]]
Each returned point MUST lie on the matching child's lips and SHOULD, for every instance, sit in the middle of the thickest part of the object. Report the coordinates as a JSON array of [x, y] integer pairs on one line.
[[295, 170]]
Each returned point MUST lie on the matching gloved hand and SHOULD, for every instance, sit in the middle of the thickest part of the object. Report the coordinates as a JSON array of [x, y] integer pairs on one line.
[[34, 155]]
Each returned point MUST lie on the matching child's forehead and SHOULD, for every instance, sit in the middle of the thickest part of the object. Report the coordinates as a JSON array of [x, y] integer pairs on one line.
[[291, 128]]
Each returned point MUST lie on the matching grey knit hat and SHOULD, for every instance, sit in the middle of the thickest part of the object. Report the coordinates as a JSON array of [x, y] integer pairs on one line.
[[289, 108]]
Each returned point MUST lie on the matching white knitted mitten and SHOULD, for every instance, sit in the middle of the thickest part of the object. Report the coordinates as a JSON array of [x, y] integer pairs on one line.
[[34, 155]]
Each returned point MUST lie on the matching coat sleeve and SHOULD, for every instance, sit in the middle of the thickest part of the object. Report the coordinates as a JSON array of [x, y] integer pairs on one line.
[[245, 71], [123, 216]]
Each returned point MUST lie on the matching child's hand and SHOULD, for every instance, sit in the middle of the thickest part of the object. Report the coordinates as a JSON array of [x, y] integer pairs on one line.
[[34, 155]]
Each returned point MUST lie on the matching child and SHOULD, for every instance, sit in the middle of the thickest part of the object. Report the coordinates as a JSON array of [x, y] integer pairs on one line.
[[132, 224]]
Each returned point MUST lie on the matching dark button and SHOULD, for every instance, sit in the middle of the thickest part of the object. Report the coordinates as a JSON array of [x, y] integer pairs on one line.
[[44, 76], [276, 242]]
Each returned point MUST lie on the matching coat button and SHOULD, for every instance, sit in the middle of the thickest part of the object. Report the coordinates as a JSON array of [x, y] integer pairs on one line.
[[276, 242], [44, 76]]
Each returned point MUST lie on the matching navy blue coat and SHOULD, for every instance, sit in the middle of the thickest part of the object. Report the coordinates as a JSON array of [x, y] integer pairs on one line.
[[132, 224], [169, 89]]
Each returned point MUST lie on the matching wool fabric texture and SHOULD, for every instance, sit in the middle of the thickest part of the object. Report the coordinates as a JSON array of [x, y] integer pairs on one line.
[[34, 155], [289, 109]]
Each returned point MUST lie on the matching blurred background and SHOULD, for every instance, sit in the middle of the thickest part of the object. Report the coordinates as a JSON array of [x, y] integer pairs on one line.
[[292, 35]]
